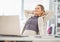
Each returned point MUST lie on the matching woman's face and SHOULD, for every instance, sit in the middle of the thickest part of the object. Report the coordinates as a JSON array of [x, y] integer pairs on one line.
[[37, 10]]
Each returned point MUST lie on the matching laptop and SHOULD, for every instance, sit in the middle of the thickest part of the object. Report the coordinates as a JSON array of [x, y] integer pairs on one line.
[[10, 25]]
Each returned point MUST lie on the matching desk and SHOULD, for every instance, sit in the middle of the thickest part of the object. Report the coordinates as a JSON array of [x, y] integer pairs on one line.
[[30, 38]]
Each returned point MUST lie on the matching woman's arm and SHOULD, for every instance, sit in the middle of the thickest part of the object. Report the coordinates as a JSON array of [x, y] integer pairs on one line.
[[28, 13], [48, 16]]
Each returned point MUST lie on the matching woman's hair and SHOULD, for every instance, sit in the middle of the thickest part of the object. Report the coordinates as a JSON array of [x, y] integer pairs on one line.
[[42, 8]]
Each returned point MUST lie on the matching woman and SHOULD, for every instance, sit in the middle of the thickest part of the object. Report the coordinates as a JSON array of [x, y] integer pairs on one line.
[[31, 26]]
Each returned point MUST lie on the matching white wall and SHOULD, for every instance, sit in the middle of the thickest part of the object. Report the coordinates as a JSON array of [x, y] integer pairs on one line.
[[10, 7], [30, 4]]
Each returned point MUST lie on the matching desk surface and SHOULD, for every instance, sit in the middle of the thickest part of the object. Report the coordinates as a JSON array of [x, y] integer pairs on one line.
[[25, 38]]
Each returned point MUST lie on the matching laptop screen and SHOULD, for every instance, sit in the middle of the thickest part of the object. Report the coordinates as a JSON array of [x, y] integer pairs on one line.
[[9, 25]]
